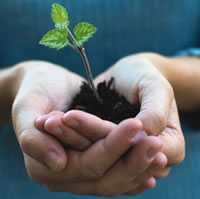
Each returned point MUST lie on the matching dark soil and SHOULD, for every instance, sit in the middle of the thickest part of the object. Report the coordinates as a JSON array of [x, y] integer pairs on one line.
[[113, 107]]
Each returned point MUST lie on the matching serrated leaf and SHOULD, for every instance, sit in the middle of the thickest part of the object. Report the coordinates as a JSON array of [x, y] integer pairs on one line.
[[83, 32], [59, 16], [55, 39]]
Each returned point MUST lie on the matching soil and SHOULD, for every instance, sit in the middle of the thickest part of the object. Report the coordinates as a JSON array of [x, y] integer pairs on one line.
[[113, 107]]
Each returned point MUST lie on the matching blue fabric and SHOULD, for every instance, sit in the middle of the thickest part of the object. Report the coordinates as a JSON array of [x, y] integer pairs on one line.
[[191, 52], [124, 27]]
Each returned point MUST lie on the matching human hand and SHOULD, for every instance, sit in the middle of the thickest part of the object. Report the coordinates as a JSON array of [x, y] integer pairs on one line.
[[142, 81], [100, 170], [94, 129], [74, 129], [42, 87]]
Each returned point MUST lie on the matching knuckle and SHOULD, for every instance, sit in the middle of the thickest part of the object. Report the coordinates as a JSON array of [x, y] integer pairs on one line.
[[158, 121], [26, 140]]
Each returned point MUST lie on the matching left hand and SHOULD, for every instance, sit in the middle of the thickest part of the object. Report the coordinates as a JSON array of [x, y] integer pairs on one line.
[[140, 81]]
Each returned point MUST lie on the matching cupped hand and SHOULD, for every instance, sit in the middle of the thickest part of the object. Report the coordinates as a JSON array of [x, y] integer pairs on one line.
[[74, 124], [42, 87], [142, 81], [110, 166]]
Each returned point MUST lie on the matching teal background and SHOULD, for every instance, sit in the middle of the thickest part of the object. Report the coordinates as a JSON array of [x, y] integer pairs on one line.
[[124, 27]]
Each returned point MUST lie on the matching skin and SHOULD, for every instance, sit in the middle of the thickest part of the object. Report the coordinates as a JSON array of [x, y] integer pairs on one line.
[[79, 130], [80, 172], [45, 158]]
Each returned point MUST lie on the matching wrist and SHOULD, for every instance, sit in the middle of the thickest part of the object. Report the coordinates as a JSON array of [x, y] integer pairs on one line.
[[162, 63], [9, 82], [13, 80]]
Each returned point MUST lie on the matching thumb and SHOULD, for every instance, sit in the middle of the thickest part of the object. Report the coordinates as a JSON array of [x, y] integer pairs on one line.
[[155, 95], [173, 139], [39, 146]]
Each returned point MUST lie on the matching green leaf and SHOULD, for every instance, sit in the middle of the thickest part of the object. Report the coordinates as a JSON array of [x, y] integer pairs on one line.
[[59, 16], [55, 39], [83, 32]]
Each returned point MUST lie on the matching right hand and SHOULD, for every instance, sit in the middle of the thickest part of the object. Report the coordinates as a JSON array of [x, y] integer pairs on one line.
[[41, 88]]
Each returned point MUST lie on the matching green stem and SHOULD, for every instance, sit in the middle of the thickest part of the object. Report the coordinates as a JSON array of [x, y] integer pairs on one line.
[[71, 45]]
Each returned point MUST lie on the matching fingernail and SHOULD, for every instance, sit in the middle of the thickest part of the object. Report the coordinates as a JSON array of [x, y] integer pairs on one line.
[[39, 119], [53, 161]]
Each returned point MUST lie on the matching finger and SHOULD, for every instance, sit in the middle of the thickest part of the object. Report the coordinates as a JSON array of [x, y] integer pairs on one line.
[[39, 122], [65, 134], [162, 173], [142, 155], [43, 148], [110, 149], [124, 175], [89, 188], [156, 96], [38, 145], [159, 162], [174, 146], [81, 188], [59, 182], [150, 184], [88, 125]]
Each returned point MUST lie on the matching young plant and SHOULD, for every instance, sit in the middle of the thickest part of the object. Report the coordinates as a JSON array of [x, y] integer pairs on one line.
[[61, 36]]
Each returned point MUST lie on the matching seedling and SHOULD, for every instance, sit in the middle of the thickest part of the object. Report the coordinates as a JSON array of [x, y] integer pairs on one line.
[[61, 37], [104, 102]]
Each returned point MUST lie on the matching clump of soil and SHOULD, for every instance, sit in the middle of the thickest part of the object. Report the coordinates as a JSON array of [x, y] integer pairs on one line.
[[113, 107]]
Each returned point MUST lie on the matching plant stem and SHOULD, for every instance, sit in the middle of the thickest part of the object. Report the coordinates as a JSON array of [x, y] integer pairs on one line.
[[88, 71], [86, 64]]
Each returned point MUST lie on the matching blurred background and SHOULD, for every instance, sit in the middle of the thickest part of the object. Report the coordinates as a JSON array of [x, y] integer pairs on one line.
[[124, 27]]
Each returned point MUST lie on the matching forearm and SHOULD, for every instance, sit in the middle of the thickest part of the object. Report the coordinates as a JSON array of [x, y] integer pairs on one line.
[[9, 81], [184, 76]]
